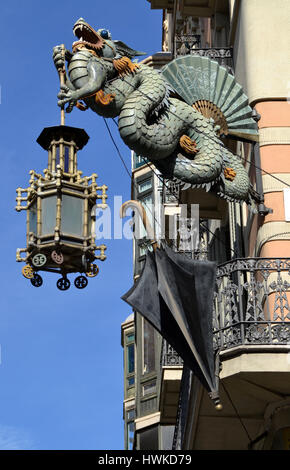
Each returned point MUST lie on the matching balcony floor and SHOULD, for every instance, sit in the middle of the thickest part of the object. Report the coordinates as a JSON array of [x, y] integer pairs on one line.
[[249, 383]]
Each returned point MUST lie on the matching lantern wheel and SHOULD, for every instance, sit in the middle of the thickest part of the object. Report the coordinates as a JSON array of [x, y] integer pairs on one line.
[[63, 283], [27, 271], [57, 257], [93, 270], [81, 282], [39, 260], [36, 281]]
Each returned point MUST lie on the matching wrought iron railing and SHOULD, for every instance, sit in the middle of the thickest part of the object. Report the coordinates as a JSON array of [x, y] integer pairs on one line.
[[251, 304], [251, 307], [190, 45], [184, 43], [171, 191], [169, 356], [223, 55]]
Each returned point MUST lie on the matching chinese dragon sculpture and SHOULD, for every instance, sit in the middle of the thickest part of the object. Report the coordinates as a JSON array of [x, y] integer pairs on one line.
[[174, 117]]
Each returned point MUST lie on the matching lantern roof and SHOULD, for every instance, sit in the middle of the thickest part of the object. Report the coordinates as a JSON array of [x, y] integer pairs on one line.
[[68, 133]]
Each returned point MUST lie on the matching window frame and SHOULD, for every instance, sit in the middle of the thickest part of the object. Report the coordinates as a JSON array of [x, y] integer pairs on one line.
[[129, 375], [139, 195]]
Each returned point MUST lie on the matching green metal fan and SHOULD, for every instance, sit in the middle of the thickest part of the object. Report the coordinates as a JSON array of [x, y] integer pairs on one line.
[[214, 92]]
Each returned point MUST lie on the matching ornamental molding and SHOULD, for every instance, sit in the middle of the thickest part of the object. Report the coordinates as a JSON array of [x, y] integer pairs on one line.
[[274, 136], [148, 420], [249, 362], [272, 185], [272, 231]]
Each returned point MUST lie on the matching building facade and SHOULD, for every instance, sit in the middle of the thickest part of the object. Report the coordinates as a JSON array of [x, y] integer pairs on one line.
[[251, 306]]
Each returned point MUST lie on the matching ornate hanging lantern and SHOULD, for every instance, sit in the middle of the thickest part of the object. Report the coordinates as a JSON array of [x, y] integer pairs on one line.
[[60, 218]]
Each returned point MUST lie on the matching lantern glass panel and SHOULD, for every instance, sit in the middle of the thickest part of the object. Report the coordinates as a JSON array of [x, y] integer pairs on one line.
[[72, 215], [33, 218], [57, 155], [66, 159], [48, 215], [91, 219]]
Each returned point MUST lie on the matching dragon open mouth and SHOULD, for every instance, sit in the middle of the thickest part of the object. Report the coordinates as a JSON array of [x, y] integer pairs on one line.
[[87, 36]]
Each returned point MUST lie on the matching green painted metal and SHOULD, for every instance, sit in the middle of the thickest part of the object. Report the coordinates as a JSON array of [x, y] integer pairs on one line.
[[151, 120], [200, 78]]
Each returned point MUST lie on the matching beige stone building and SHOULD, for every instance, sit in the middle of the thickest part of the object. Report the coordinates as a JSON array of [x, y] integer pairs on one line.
[[252, 301]]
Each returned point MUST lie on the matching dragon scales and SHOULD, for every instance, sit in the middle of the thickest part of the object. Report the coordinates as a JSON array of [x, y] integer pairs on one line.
[[181, 142]]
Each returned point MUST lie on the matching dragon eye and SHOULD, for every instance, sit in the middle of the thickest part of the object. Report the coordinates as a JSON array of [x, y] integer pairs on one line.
[[105, 34]]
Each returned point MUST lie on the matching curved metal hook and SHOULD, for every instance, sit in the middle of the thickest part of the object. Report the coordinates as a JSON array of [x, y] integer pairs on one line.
[[148, 227]]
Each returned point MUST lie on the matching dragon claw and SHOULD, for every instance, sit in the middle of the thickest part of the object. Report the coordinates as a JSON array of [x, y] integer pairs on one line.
[[58, 58], [65, 95], [70, 106]]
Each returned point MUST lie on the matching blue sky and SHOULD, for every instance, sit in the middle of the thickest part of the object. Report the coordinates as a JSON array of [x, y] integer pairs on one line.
[[61, 372]]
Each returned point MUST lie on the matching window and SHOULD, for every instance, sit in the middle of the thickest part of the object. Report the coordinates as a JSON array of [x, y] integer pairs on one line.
[[130, 429], [138, 161], [147, 203], [145, 185], [131, 381], [130, 360], [149, 388], [148, 347], [130, 356], [143, 192], [130, 434]]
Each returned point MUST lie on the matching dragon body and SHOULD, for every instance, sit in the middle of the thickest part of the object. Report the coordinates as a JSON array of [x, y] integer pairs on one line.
[[151, 122]]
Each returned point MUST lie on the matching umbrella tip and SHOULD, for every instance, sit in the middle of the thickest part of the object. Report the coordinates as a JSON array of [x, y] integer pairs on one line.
[[214, 395]]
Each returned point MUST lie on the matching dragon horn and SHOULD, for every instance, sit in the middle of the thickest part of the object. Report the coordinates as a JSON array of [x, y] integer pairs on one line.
[[123, 49]]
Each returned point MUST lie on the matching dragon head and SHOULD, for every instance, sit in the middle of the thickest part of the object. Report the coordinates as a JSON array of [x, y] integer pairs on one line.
[[100, 42]]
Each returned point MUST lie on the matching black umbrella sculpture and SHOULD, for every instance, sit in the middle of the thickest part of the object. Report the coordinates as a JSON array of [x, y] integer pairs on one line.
[[175, 295]]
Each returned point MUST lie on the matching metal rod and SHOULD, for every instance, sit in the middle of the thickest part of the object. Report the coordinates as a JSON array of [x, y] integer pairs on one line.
[[62, 82]]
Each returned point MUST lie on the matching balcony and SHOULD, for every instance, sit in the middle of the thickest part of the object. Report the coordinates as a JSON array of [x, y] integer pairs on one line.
[[169, 358], [252, 333], [252, 303], [185, 43], [193, 7], [161, 4], [171, 365], [189, 44]]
